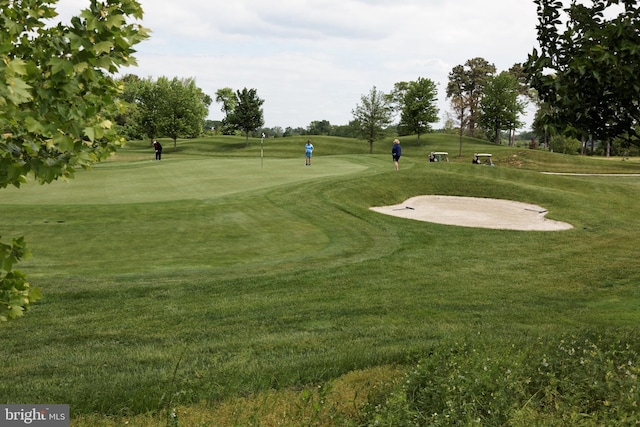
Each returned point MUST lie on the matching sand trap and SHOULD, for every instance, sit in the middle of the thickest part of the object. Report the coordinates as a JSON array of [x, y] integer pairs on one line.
[[475, 212]]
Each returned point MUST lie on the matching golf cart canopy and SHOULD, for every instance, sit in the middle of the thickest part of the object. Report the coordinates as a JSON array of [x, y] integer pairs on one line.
[[482, 158], [439, 156]]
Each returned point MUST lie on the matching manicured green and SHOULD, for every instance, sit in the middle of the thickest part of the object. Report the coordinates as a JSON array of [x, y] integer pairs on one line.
[[215, 273]]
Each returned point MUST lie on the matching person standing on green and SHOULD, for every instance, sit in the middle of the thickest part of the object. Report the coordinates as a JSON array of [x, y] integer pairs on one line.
[[396, 152], [308, 151], [158, 147]]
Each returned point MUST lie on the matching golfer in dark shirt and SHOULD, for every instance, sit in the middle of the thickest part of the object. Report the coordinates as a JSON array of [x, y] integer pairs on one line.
[[396, 152], [158, 147]]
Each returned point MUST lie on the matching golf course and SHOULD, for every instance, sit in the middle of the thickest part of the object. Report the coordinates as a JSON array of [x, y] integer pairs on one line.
[[231, 285]]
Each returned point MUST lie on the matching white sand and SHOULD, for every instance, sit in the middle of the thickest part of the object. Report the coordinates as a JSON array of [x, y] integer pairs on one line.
[[475, 212]]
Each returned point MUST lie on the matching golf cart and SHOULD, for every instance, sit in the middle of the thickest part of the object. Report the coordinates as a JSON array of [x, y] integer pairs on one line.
[[482, 159], [439, 156]]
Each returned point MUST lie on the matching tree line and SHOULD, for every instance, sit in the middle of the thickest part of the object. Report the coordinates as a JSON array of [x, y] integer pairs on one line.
[[414, 101], [177, 108], [481, 99]]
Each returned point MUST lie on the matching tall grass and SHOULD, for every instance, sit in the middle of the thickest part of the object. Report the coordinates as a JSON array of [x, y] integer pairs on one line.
[[212, 276]]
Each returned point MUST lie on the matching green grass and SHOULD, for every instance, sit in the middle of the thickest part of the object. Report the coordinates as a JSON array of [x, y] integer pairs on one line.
[[249, 274]]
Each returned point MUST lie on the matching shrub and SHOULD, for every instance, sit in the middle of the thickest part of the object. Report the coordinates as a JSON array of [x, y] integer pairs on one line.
[[565, 145]]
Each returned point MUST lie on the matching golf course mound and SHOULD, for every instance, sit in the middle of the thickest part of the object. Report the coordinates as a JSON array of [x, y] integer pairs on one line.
[[475, 212]]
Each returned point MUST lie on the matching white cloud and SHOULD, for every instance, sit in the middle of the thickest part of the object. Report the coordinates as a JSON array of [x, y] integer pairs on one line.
[[313, 59]]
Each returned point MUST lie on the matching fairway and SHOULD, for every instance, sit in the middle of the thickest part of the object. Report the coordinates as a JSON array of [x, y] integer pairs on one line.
[[206, 277]]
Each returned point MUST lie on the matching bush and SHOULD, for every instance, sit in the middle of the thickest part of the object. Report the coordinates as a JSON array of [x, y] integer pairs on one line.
[[565, 145]]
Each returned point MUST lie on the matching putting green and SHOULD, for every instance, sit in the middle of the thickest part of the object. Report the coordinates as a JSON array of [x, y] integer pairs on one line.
[[175, 179]]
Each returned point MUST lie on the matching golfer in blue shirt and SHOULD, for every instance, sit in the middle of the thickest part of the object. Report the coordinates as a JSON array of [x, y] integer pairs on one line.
[[308, 151]]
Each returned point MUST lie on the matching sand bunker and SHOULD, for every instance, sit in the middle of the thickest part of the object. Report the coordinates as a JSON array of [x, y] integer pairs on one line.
[[475, 212]]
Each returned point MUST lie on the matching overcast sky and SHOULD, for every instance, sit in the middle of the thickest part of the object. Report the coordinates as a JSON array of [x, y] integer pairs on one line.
[[314, 59]]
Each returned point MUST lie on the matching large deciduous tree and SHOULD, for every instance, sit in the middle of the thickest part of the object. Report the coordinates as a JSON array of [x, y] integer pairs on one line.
[[165, 108], [143, 112], [58, 102], [183, 108], [373, 115], [466, 86], [247, 116], [500, 107], [227, 97], [319, 127], [396, 97], [129, 120], [586, 71], [419, 108]]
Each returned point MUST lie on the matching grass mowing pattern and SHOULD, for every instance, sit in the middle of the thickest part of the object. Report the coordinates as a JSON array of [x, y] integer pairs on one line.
[[249, 278]]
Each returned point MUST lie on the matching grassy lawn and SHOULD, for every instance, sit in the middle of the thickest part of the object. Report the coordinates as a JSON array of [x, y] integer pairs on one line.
[[215, 275]]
